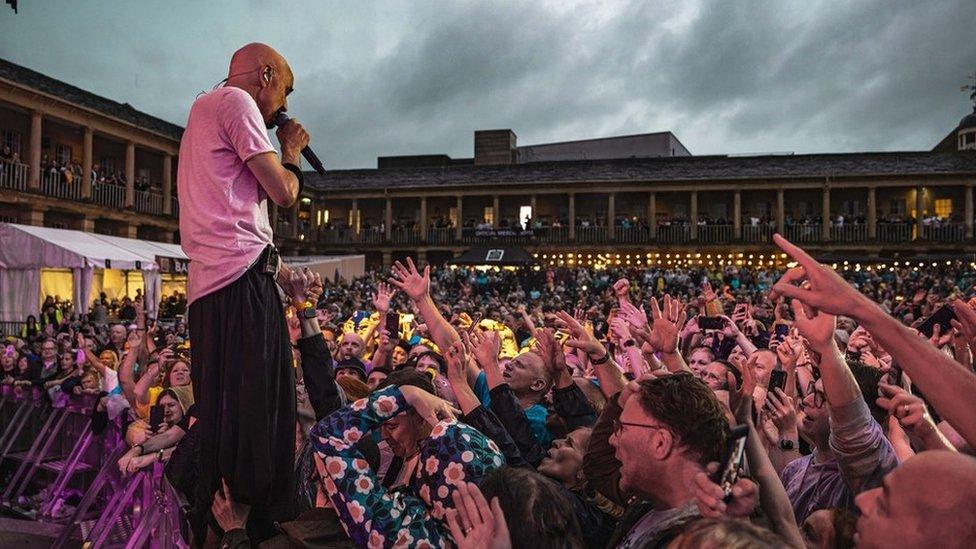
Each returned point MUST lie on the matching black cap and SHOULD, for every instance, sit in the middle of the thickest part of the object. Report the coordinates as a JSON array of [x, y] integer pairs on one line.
[[352, 363]]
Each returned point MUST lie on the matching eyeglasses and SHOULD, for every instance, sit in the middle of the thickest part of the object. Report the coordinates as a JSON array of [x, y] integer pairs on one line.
[[819, 398], [619, 425]]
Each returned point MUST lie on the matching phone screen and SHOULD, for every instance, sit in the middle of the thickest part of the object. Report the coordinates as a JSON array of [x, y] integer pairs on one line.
[[731, 467], [393, 324], [155, 417], [711, 323], [777, 379], [940, 317]]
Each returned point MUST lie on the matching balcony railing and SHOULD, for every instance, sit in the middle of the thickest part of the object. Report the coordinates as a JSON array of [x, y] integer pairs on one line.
[[812, 232], [947, 232], [758, 233], [53, 184], [149, 202], [552, 235], [673, 234], [631, 235], [852, 232], [894, 233], [13, 175], [715, 234], [441, 236], [406, 236], [591, 235], [107, 194], [372, 235]]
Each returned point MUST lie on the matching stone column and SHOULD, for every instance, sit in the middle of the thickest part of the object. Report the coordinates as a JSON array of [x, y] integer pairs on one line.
[[825, 214], [34, 160], [424, 222], [86, 163], [572, 217], [459, 228], [387, 259], [87, 224], [130, 174], [294, 217], [693, 218], [611, 215], [919, 208], [421, 258], [533, 203], [167, 184], [32, 216], [313, 220], [872, 213], [780, 211], [388, 220], [354, 216], [737, 215], [969, 211], [495, 212], [652, 213]]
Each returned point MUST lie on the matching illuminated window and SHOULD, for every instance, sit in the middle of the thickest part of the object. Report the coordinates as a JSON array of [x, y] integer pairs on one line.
[[323, 217], [943, 207], [489, 215]]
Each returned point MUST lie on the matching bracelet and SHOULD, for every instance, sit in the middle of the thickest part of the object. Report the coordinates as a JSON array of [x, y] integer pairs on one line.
[[140, 447], [602, 360], [298, 174], [159, 456]]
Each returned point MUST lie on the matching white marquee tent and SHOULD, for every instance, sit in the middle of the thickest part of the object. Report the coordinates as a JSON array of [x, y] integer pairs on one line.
[[32, 258]]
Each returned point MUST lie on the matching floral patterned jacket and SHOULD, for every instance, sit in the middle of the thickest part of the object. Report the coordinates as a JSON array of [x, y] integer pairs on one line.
[[411, 517]]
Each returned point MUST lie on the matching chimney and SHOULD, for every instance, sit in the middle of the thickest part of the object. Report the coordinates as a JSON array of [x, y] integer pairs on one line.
[[494, 147]]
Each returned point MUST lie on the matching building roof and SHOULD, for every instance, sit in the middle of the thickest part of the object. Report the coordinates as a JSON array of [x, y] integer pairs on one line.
[[75, 95], [693, 168]]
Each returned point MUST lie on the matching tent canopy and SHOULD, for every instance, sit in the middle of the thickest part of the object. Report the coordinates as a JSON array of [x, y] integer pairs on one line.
[[500, 256], [26, 250], [28, 247]]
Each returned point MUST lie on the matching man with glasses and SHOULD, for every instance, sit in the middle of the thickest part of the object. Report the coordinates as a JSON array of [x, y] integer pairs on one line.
[[838, 419], [46, 365], [646, 448]]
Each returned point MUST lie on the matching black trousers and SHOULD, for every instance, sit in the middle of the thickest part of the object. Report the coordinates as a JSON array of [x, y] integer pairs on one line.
[[244, 392]]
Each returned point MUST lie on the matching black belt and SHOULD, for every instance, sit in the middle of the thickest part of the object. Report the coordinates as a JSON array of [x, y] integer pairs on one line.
[[267, 262]]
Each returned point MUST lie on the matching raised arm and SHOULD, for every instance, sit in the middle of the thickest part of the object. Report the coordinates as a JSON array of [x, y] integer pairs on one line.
[[947, 385], [417, 288], [664, 334]]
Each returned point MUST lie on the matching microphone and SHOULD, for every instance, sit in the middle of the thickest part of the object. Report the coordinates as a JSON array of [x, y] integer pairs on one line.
[[307, 153]]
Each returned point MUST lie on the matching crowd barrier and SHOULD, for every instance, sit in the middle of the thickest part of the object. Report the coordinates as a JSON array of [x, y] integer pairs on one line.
[[55, 469]]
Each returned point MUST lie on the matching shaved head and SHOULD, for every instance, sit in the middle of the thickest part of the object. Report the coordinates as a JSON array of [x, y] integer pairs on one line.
[[263, 73]]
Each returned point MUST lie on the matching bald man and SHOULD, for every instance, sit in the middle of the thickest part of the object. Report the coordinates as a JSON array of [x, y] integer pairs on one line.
[[928, 501], [243, 380]]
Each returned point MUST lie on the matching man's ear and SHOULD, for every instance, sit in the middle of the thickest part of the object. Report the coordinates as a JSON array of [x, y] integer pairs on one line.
[[538, 384], [661, 444], [266, 74]]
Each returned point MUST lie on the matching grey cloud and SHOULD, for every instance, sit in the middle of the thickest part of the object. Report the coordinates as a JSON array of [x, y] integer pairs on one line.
[[419, 77]]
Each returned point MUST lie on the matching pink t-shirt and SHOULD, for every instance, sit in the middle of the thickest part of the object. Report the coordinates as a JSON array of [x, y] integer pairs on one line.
[[223, 209]]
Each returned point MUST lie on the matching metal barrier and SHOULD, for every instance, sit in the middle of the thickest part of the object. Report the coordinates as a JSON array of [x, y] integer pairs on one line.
[[140, 511]]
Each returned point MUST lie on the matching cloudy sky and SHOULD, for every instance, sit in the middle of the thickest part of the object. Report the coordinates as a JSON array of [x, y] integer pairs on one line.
[[387, 78]]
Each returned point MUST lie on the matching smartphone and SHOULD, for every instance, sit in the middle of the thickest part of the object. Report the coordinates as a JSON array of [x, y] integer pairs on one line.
[[894, 376], [731, 465], [940, 317], [392, 324], [777, 380], [781, 330], [155, 417], [711, 322]]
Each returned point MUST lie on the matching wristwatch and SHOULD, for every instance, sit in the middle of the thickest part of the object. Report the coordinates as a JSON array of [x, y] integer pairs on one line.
[[787, 444], [307, 311], [629, 343]]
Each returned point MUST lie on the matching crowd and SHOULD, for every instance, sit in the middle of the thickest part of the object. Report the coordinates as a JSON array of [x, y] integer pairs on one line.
[[582, 408]]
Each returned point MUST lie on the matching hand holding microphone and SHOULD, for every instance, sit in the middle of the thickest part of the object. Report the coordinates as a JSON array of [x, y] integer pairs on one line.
[[294, 139]]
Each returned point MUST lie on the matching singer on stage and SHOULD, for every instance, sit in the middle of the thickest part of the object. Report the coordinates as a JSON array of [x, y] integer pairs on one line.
[[243, 378]]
